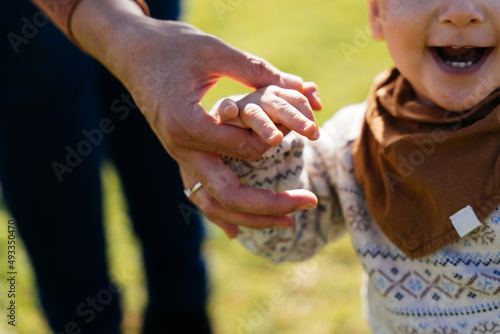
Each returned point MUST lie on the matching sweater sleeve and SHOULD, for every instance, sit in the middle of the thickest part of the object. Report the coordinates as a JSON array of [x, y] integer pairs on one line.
[[60, 11], [296, 163]]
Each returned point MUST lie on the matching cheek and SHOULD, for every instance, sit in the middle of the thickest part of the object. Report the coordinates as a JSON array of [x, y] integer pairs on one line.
[[406, 44], [404, 51]]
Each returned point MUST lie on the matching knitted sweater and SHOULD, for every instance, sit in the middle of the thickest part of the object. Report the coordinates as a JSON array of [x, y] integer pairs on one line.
[[452, 291]]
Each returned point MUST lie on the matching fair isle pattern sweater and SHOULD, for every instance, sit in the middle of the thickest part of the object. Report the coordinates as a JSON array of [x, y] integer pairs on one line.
[[452, 291]]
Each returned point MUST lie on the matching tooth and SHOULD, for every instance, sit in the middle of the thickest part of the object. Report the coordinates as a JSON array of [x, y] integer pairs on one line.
[[469, 47], [459, 64], [456, 47]]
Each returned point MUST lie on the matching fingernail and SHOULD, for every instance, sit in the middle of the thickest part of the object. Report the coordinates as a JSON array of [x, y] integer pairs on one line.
[[287, 224], [316, 96], [286, 227], [316, 135], [271, 137], [274, 134], [309, 125], [276, 137], [306, 206], [231, 110]]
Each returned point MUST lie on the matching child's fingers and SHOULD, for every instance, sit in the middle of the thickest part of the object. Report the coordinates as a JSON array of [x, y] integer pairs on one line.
[[256, 119], [261, 109], [228, 113], [292, 109], [251, 116], [228, 110]]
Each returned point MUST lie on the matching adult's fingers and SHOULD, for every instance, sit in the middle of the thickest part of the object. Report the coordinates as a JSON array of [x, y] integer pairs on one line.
[[215, 212], [227, 193], [255, 72], [229, 220], [198, 130], [230, 230], [311, 92]]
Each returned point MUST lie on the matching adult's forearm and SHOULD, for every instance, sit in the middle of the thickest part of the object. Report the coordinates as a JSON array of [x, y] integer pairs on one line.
[[104, 30], [60, 12]]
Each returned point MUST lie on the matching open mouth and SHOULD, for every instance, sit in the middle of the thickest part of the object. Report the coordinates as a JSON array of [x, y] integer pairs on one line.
[[459, 58]]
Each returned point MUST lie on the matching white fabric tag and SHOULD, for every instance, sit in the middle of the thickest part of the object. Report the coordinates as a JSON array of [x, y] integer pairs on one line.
[[465, 221]]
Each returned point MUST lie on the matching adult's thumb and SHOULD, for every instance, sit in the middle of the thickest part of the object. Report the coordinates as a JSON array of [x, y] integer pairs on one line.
[[256, 72]]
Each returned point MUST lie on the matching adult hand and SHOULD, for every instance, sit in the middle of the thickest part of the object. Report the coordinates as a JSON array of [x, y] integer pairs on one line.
[[168, 67]]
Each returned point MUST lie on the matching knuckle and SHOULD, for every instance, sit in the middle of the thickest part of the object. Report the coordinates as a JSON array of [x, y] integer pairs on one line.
[[301, 98], [174, 154], [280, 106], [272, 88], [209, 209], [297, 97], [274, 211], [296, 119], [172, 131], [228, 202], [173, 137], [207, 46], [261, 68], [179, 138], [251, 109]]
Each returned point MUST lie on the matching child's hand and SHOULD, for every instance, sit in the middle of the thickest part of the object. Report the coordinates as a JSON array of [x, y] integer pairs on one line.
[[272, 112]]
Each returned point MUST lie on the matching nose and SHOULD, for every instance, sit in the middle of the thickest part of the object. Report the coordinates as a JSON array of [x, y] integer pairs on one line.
[[461, 12]]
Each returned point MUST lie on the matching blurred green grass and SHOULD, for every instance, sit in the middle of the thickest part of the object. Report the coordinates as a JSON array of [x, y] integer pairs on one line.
[[318, 296]]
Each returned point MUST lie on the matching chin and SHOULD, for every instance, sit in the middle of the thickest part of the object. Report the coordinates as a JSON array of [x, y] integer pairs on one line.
[[457, 106], [460, 102]]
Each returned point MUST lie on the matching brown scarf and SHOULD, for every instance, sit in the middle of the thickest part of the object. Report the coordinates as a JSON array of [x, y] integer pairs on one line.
[[420, 165]]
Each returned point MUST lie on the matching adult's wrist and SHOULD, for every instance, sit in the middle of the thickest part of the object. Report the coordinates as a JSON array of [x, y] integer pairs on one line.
[[103, 29]]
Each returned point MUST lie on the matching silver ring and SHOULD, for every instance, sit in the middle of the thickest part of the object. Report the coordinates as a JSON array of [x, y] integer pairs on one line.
[[188, 192]]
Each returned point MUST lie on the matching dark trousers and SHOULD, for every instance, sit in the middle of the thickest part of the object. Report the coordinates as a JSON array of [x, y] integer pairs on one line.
[[54, 132]]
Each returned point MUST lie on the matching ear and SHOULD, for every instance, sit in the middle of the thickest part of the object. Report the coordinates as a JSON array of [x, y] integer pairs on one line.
[[375, 22]]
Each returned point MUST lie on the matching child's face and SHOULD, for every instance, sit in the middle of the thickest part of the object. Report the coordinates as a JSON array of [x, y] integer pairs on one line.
[[447, 49]]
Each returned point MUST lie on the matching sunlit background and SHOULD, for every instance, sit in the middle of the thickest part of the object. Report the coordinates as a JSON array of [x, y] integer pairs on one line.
[[323, 41]]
